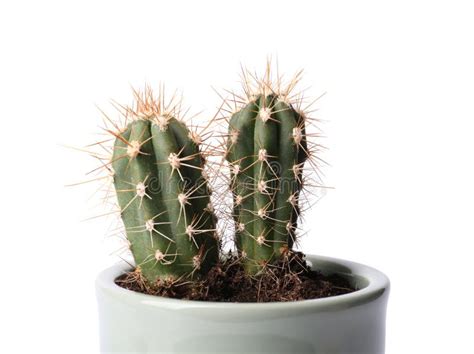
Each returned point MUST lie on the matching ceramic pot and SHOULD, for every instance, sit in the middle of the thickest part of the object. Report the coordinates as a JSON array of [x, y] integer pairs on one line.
[[131, 322]]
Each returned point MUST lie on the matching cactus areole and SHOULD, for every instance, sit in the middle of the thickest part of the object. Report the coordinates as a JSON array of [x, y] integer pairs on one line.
[[266, 150]]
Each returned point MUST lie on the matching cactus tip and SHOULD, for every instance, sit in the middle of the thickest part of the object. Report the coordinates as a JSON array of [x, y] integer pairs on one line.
[[264, 114]]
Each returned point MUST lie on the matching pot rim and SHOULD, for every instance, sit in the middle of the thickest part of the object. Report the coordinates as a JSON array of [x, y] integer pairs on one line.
[[374, 285]]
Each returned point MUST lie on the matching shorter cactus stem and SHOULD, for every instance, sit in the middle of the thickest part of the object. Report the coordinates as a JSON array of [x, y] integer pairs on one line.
[[163, 195]]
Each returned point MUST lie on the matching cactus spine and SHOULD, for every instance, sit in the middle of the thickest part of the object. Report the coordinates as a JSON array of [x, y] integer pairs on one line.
[[163, 194], [266, 150]]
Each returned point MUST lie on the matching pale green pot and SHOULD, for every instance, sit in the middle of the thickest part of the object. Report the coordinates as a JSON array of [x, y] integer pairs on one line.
[[354, 323]]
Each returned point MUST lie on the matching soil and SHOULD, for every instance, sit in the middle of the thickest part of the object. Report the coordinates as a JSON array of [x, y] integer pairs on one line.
[[288, 280]]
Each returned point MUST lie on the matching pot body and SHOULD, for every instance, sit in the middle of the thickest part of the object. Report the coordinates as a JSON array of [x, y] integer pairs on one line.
[[131, 322]]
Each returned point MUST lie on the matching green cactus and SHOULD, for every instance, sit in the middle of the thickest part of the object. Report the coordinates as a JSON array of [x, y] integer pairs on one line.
[[163, 195], [266, 150]]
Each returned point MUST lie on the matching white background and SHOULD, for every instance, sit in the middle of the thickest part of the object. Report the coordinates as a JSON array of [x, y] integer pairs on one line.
[[400, 106]]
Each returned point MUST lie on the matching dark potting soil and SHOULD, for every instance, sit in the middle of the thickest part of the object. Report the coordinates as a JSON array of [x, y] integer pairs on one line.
[[288, 280]]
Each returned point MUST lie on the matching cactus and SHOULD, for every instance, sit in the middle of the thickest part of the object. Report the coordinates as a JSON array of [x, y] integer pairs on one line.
[[266, 151], [163, 193]]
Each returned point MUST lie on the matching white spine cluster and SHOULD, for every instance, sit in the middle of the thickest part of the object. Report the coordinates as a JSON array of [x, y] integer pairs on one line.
[[133, 149]]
